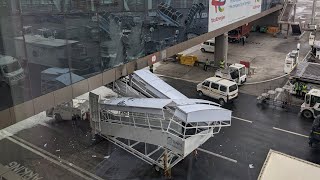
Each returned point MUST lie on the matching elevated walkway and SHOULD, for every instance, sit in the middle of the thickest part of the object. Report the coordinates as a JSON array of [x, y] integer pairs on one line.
[[36, 104], [161, 132]]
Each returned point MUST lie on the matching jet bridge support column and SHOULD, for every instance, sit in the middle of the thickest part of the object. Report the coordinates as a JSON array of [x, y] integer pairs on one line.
[[221, 49]]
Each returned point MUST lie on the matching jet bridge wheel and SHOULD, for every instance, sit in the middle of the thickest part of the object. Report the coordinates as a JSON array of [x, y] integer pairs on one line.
[[156, 168]]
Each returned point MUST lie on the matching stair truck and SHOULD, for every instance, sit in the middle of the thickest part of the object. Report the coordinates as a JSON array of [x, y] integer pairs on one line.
[[11, 72], [311, 106], [235, 72]]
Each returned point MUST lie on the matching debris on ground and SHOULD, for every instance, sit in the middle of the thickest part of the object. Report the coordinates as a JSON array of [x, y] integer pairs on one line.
[[251, 166], [94, 156], [45, 145], [58, 150], [106, 157]]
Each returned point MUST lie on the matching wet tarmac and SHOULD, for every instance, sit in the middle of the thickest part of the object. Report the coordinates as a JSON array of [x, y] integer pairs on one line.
[[66, 150]]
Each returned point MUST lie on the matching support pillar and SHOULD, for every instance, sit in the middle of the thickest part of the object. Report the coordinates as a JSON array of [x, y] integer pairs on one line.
[[221, 49]]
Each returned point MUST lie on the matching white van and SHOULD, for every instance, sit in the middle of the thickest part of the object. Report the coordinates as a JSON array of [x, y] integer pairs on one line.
[[208, 46], [220, 89]]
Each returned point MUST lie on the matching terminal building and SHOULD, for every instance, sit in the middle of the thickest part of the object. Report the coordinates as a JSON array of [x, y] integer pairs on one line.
[[52, 51]]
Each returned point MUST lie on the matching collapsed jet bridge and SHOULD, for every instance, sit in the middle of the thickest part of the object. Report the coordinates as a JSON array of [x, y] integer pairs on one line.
[[161, 129], [160, 132]]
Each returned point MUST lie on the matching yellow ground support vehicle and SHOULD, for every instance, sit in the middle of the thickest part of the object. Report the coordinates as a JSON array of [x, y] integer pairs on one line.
[[189, 60]]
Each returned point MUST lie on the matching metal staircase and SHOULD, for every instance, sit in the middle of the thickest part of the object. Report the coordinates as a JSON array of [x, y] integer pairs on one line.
[[287, 13], [287, 17]]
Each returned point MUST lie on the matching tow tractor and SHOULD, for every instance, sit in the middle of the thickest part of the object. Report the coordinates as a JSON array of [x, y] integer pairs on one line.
[[235, 72], [78, 108], [311, 106], [292, 58]]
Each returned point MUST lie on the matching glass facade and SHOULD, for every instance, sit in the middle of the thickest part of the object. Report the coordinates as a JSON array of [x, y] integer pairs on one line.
[[49, 44], [54, 43]]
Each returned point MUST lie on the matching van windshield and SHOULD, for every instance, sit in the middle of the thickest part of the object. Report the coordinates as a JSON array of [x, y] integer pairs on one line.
[[8, 68], [233, 88]]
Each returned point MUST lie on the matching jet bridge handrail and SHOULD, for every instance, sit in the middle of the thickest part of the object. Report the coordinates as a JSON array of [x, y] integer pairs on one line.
[[172, 125]]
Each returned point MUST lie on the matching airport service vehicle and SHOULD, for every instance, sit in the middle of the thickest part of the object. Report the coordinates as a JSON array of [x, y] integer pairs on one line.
[[208, 46], [280, 166], [235, 72], [312, 37], [11, 72], [314, 137], [235, 35], [311, 106], [220, 89], [292, 58], [316, 49], [78, 108]]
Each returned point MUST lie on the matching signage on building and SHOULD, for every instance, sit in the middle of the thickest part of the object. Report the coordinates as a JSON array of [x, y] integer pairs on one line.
[[225, 12]]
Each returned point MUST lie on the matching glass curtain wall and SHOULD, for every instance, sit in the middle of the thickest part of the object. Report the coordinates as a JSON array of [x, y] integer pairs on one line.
[[46, 45]]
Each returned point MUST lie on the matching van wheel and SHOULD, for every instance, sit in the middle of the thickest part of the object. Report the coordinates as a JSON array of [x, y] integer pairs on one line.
[[203, 50], [222, 102], [307, 114], [200, 93]]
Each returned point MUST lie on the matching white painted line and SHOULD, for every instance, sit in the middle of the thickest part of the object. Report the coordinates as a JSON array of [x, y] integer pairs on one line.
[[46, 155], [290, 132], [49, 159], [218, 155], [241, 119]]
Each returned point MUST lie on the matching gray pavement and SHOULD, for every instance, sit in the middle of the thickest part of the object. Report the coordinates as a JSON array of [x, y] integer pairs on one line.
[[66, 150], [265, 53]]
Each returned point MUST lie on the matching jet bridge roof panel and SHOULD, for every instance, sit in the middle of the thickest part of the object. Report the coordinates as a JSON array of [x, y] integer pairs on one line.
[[159, 85], [202, 113], [141, 105]]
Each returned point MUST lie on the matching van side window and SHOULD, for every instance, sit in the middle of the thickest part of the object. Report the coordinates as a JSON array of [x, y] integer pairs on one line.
[[206, 43], [214, 86], [223, 88], [206, 83], [212, 44]]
